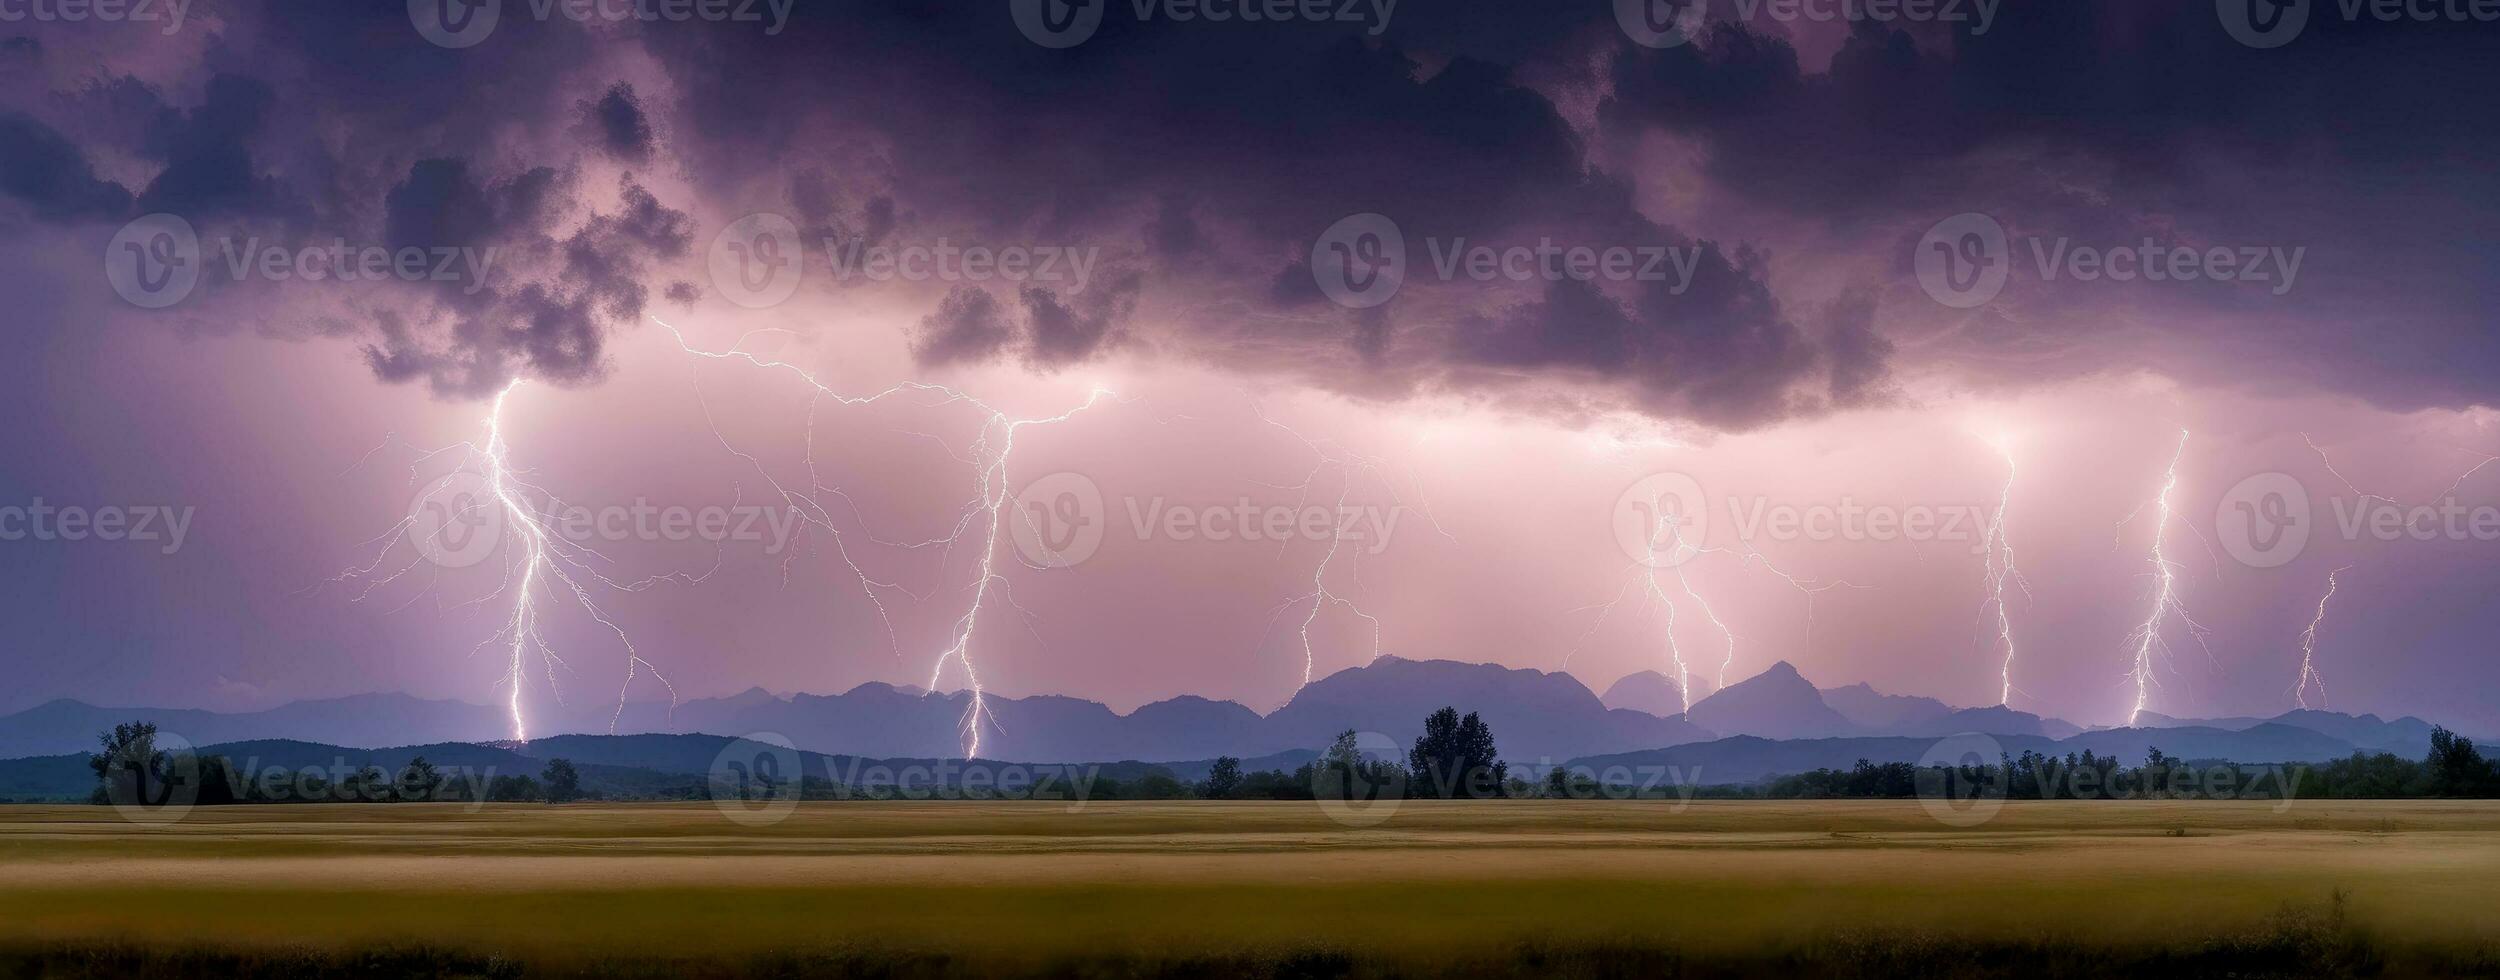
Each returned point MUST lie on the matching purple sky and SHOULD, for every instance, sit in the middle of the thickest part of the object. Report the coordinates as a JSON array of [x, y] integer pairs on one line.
[[1792, 357]]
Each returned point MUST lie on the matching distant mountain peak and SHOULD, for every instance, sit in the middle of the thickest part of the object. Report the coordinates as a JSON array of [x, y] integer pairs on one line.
[[1780, 675], [1778, 703], [1533, 713], [1647, 691], [881, 687], [1192, 701], [1881, 713], [752, 696]]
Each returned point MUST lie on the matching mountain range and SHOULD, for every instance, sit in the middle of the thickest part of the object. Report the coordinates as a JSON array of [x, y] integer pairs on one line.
[[1538, 717], [2403, 736], [1745, 758]]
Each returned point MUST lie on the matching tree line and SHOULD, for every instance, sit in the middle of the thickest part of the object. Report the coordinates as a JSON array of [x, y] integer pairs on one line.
[[130, 768], [1455, 758], [2453, 769]]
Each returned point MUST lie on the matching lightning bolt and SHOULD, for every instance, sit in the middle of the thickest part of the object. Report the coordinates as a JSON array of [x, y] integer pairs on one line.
[[1664, 528], [1665, 531], [2165, 590], [1751, 559], [1347, 465], [523, 626], [2453, 486], [1727, 657], [1661, 534], [2309, 676], [1998, 569], [543, 562], [996, 491], [984, 516]]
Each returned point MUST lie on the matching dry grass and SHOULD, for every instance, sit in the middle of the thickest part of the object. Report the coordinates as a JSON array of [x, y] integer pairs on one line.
[[1480, 887]]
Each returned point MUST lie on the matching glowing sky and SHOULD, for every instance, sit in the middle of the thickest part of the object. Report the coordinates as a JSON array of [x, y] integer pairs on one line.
[[1798, 365]]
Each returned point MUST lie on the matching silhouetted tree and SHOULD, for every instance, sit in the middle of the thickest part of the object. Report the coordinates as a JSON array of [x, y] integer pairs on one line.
[[128, 768], [1223, 779], [419, 781], [2155, 776], [1344, 773], [219, 783], [1456, 759], [366, 785], [2457, 769], [564, 784]]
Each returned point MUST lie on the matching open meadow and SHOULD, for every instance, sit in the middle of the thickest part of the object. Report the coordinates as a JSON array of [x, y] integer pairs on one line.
[[1525, 887]]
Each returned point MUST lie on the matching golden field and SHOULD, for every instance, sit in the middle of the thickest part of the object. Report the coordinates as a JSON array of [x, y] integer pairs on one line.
[[1485, 887]]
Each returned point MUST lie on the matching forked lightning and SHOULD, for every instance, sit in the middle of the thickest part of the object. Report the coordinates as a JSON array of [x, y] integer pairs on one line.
[[542, 556]]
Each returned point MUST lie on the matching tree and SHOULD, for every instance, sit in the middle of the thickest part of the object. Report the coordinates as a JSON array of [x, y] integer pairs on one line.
[[1223, 779], [418, 782], [1456, 759], [2156, 772], [1344, 773], [564, 784], [365, 785], [219, 783], [2457, 769], [128, 768]]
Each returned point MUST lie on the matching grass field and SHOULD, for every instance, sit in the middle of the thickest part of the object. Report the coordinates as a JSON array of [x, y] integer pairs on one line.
[[1506, 887]]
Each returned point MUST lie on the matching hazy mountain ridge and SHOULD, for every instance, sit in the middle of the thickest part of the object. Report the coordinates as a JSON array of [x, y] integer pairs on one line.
[[1645, 691], [1537, 716], [1876, 711], [1777, 703], [65, 725], [2403, 735], [1534, 714]]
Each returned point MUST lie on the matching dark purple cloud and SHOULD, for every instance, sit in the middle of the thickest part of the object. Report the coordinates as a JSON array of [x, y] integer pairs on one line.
[[968, 326], [41, 168], [618, 122]]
